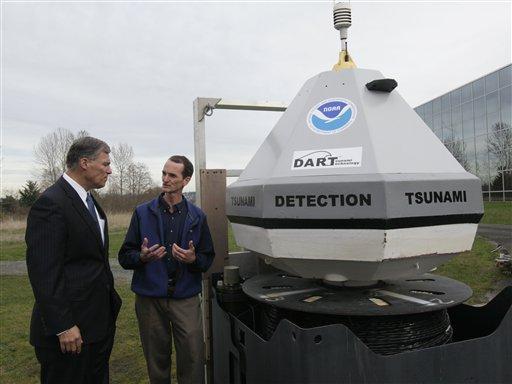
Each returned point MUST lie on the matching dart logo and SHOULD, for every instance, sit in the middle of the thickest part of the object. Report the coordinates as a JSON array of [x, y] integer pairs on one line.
[[331, 116]]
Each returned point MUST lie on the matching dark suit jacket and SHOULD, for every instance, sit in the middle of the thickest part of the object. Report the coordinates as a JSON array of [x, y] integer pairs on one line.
[[68, 268]]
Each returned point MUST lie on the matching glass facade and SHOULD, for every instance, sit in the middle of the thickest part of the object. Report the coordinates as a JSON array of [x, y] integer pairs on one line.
[[475, 123]]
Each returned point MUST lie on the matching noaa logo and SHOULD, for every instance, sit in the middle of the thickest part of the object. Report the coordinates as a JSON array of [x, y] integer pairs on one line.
[[331, 116]]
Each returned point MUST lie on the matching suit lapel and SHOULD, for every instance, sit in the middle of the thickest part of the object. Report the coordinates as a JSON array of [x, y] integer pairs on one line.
[[79, 206]]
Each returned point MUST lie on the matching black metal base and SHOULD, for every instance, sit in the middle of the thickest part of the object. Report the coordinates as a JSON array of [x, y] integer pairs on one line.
[[426, 293], [480, 350]]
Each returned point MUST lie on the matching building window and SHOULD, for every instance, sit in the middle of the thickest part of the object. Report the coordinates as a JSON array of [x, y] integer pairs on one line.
[[507, 185], [479, 107], [491, 82], [456, 115], [467, 111], [445, 102], [505, 76], [492, 103], [506, 105], [438, 128], [478, 88], [457, 123], [455, 97], [428, 121], [482, 160], [447, 126], [470, 156], [468, 122], [480, 126], [496, 177], [493, 122], [466, 94], [436, 105], [474, 122]]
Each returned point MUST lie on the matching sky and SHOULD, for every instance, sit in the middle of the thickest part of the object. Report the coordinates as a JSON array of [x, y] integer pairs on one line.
[[128, 72]]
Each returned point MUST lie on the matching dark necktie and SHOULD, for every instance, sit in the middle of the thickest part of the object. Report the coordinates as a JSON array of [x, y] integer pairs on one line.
[[92, 211], [90, 207]]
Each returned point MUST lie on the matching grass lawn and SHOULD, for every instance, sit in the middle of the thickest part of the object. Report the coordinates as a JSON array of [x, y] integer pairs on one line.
[[115, 240], [19, 365], [476, 268], [12, 240], [18, 362], [15, 250], [497, 212], [232, 246], [12, 250]]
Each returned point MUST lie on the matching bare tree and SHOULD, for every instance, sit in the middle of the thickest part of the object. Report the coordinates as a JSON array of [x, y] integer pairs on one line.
[[113, 184], [499, 143], [139, 178], [122, 159], [50, 153], [458, 150]]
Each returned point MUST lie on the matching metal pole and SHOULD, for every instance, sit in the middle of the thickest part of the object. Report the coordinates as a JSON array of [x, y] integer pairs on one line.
[[199, 147], [213, 185], [203, 107]]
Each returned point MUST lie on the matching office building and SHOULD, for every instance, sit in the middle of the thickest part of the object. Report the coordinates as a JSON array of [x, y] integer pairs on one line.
[[474, 122]]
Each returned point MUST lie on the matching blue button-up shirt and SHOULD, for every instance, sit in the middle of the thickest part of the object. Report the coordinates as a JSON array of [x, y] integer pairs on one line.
[[173, 219]]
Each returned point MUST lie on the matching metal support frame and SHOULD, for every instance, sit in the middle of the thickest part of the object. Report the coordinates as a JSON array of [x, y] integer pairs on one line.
[[213, 203], [203, 107], [213, 206]]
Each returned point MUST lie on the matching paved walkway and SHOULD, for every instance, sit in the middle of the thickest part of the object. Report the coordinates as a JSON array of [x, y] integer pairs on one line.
[[20, 268], [500, 234]]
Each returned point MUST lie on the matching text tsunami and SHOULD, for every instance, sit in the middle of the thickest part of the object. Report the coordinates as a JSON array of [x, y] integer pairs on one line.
[[243, 201], [436, 197]]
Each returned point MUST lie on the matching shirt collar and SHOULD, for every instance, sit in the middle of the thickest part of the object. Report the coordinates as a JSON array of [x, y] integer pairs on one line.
[[77, 187], [176, 207]]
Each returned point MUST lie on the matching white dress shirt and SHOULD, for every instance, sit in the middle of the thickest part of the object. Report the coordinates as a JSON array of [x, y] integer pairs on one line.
[[83, 195]]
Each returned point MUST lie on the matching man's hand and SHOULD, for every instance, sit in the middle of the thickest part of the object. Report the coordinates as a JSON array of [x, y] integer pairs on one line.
[[187, 256], [150, 254], [71, 341]]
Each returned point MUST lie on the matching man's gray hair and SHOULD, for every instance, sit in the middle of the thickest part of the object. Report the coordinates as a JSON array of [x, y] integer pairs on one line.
[[88, 147]]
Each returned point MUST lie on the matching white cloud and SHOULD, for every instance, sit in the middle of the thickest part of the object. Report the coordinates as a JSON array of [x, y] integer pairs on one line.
[[128, 72]]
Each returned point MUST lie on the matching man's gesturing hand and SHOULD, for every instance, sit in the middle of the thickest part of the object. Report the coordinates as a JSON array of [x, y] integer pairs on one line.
[[184, 255], [150, 254], [71, 341]]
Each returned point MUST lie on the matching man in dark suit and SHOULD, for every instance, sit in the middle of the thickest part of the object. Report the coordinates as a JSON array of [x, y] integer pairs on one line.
[[76, 305]]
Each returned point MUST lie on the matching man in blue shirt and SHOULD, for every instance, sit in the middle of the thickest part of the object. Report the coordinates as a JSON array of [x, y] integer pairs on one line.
[[169, 246]]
